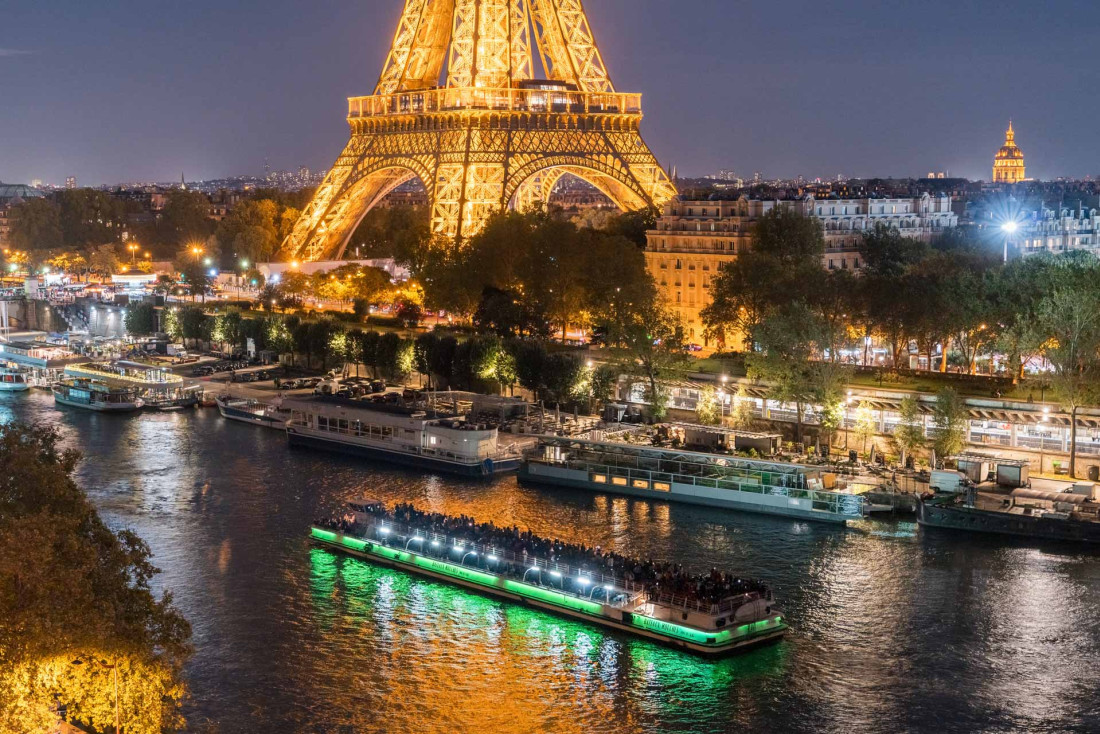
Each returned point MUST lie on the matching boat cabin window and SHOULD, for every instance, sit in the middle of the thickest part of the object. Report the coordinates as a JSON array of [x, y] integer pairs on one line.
[[322, 423]]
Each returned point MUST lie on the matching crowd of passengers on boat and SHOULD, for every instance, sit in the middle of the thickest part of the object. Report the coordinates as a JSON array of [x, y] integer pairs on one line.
[[658, 579]]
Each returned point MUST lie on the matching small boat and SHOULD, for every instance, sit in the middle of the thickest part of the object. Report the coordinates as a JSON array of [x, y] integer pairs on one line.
[[255, 412], [94, 395], [13, 381]]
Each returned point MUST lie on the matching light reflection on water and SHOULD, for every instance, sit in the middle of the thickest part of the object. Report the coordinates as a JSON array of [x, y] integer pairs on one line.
[[896, 629]]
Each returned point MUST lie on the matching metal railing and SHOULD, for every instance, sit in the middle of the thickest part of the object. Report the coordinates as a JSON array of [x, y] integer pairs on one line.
[[405, 536], [494, 99], [837, 503]]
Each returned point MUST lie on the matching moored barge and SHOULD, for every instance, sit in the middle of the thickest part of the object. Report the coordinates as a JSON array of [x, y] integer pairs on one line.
[[399, 435], [713, 480], [94, 395], [1026, 513], [706, 627]]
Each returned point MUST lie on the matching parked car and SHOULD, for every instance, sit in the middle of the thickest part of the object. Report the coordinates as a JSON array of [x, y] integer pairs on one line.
[[377, 386]]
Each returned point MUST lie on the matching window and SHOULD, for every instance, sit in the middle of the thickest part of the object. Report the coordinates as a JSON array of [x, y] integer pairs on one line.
[[618, 481], [641, 484], [679, 264], [662, 487], [599, 478]]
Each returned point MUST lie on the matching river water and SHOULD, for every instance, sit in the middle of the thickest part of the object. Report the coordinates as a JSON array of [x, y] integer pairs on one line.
[[894, 628]]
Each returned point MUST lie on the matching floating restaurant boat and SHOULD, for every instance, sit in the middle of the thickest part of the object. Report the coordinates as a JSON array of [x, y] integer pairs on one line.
[[158, 388], [1073, 515], [731, 625], [399, 435], [714, 480], [12, 380], [245, 410], [97, 396]]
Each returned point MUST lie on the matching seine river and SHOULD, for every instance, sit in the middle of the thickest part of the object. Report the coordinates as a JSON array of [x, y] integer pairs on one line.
[[894, 629]]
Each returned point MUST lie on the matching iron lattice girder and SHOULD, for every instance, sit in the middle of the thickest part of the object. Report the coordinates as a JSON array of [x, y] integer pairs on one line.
[[473, 164], [483, 141]]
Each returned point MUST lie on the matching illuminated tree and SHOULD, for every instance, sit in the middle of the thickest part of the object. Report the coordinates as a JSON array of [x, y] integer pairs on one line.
[[708, 410], [75, 600], [909, 433], [865, 424], [949, 420], [741, 413]]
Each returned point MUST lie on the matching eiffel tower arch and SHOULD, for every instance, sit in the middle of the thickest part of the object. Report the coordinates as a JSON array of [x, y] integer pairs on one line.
[[460, 107]]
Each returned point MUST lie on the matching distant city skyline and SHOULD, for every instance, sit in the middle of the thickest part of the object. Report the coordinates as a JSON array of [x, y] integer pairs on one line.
[[123, 93]]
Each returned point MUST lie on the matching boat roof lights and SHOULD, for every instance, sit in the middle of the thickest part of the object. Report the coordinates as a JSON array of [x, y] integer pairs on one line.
[[493, 558], [583, 580], [384, 531], [418, 539], [435, 543], [608, 588], [555, 574]]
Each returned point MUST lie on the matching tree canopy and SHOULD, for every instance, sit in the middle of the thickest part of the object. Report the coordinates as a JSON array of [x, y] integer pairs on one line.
[[75, 599]]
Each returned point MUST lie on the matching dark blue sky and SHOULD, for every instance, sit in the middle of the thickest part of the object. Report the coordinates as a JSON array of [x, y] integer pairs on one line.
[[119, 90]]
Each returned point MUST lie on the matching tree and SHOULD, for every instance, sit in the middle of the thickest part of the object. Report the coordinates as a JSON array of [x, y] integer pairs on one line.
[[195, 325], [865, 424], [141, 319], [602, 384], [186, 217], [563, 377], [105, 260], [408, 313], [647, 341], [73, 595], [949, 418], [909, 432], [742, 415], [36, 226], [1069, 319], [530, 359], [785, 259], [708, 411]]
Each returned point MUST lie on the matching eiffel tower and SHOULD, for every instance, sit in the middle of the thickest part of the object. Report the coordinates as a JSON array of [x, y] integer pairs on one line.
[[460, 107]]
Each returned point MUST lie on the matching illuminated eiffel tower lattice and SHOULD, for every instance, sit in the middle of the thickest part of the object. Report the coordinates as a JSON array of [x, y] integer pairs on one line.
[[459, 106]]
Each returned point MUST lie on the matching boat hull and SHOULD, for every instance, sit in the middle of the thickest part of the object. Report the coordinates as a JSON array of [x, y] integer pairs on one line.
[[1002, 523], [743, 501], [14, 387], [502, 466], [699, 642], [98, 407], [244, 416]]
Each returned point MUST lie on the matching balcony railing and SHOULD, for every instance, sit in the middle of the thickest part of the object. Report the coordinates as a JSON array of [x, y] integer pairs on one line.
[[493, 99]]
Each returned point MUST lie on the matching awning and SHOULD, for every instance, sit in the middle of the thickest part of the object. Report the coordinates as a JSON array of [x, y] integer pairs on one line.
[[1039, 494]]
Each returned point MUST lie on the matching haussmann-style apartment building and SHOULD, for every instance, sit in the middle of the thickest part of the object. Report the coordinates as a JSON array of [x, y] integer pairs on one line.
[[694, 239]]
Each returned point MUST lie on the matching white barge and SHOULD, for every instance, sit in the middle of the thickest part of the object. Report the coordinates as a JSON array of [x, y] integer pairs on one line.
[[399, 435], [735, 624], [255, 412], [714, 480]]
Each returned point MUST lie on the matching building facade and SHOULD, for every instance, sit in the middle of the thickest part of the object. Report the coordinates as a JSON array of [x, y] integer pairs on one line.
[[694, 239], [1008, 163], [1059, 230]]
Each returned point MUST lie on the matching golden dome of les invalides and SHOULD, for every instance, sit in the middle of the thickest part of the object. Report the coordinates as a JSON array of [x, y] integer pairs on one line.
[[1008, 164]]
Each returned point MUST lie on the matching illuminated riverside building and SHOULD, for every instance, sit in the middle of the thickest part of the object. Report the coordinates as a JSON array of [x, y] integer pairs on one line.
[[694, 239], [1008, 164]]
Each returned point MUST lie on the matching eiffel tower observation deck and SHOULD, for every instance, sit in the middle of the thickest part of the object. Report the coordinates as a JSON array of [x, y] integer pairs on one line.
[[488, 103]]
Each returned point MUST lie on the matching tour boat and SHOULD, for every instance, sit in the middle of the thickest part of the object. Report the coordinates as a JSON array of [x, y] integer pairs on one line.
[[400, 435], [93, 395], [255, 412], [733, 624], [13, 381]]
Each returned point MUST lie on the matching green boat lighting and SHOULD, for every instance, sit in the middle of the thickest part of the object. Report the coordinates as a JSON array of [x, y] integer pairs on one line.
[[716, 638]]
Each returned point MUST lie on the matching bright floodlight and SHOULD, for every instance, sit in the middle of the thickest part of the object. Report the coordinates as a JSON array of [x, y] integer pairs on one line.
[[1010, 227], [493, 559], [555, 574], [418, 540], [583, 581], [608, 588], [384, 531]]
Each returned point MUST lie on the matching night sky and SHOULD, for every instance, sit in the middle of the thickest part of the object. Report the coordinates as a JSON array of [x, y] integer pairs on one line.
[[128, 90]]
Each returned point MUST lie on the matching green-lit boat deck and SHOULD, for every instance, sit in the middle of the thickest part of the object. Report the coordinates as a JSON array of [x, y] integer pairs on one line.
[[707, 642]]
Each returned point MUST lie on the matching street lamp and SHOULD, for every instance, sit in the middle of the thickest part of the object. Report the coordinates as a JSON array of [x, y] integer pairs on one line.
[[1043, 436], [133, 253], [1009, 228]]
